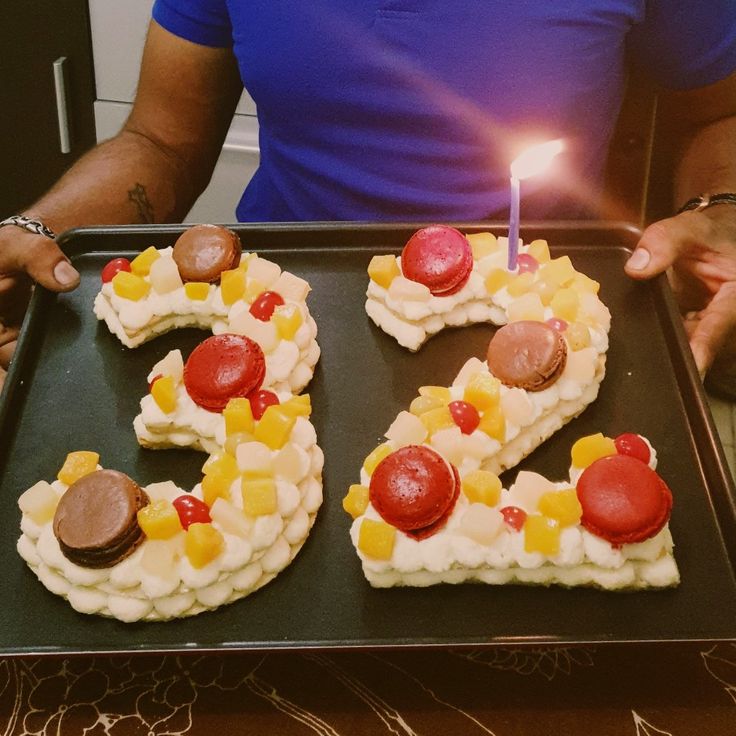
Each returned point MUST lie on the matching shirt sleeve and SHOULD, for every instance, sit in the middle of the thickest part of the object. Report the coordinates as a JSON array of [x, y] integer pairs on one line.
[[685, 44], [206, 22]]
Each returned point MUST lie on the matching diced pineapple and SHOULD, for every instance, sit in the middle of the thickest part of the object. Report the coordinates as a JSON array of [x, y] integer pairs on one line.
[[230, 518], [233, 441], [164, 394], [541, 535], [39, 502], [159, 557], [215, 486], [298, 406], [481, 523], [376, 539], [274, 427], [497, 279], [259, 496], [224, 465], [197, 291], [482, 391], [356, 502], [375, 457], [424, 403], [141, 264], [263, 270], [255, 460], [288, 319], [172, 364], [238, 416], [129, 286], [436, 419], [589, 449], [159, 520], [482, 486], [493, 423], [383, 270], [232, 286], [527, 307], [545, 291], [527, 489], [164, 276], [406, 429], [253, 289], [291, 287], [539, 250], [565, 304], [517, 407], [402, 288], [521, 284], [203, 544], [482, 244], [578, 335], [582, 284], [563, 506], [449, 443], [77, 465], [558, 272], [438, 392], [291, 463]]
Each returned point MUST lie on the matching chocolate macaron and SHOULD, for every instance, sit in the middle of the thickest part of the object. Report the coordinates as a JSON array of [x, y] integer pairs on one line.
[[223, 367], [527, 354], [203, 252], [96, 520]]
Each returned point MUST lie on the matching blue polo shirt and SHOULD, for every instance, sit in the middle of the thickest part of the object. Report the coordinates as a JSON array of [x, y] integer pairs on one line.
[[414, 109]]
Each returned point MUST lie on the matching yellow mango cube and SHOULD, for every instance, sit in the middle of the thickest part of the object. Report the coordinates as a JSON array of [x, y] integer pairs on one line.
[[483, 391], [274, 427], [202, 544], [493, 423], [77, 465], [215, 486], [482, 244], [584, 284], [164, 394], [197, 291], [129, 286], [298, 406], [259, 496], [578, 335], [238, 415], [591, 448], [375, 457], [527, 307], [253, 289], [497, 279], [376, 539], [565, 304], [288, 319], [539, 250], [225, 465], [436, 419], [520, 284], [541, 535], [482, 486], [39, 502], [383, 270], [141, 264], [422, 404], [159, 520], [558, 272], [438, 392], [232, 286], [356, 501], [562, 506]]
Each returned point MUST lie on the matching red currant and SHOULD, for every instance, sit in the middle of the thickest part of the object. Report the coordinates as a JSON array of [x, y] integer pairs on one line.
[[557, 324], [632, 445], [527, 263], [191, 510], [514, 517], [113, 267], [153, 380], [260, 401], [465, 416], [262, 308]]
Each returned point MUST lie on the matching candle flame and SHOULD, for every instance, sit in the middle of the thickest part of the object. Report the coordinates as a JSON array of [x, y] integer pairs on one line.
[[536, 159]]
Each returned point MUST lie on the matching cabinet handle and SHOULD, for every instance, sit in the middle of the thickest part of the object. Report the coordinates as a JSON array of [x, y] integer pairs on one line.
[[241, 148], [62, 111]]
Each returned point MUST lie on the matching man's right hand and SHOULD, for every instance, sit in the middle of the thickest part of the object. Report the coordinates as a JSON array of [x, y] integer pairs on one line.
[[26, 258]]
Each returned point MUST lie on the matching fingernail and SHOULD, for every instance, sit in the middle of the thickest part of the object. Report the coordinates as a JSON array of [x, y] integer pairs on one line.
[[65, 273], [639, 260]]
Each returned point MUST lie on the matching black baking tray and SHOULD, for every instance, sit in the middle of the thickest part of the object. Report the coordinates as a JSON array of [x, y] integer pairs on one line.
[[73, 386]]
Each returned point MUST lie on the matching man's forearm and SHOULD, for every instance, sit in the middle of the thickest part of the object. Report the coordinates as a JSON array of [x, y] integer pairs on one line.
[[128, 179]]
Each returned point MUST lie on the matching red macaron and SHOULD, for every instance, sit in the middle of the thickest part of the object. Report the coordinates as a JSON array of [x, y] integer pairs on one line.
[[223, 367], [439, 257], [414, 489], [623, 500]]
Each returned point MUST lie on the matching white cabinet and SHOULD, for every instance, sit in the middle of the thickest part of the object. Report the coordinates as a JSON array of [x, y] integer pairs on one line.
[[118, 35]]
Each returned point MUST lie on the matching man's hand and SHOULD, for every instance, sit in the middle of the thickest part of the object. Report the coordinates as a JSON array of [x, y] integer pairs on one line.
[[698, 251], [25, 258]]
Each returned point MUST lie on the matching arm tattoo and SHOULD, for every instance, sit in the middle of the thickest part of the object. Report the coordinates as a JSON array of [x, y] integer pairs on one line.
[[137, 195]]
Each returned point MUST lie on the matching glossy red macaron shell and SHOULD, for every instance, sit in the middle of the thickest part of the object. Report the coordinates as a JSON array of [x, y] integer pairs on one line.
[[413, 488], [623, 500], [223, 367], [439, 257]]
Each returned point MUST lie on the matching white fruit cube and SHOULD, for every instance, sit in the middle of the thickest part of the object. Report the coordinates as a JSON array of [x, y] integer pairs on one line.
[[264, 271], [581, 365], [291, 287], [291, 463], [481, 523], [230, 518], [471, 367], [403, 289], [39, 502], [528, 489], [164, 276], [166, 490], [527, 307], [407, 429], [264, 333], [160, 556], [449, 443], [172, 364], [254, 458], [591, 306], [517, 407]]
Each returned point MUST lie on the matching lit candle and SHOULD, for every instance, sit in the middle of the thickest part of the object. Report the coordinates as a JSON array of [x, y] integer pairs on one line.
[[529, 163]]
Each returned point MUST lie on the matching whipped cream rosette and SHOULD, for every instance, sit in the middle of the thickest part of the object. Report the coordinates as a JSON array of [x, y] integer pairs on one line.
[[444, 278], [112, 548], [205, 281], [421, 517]]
